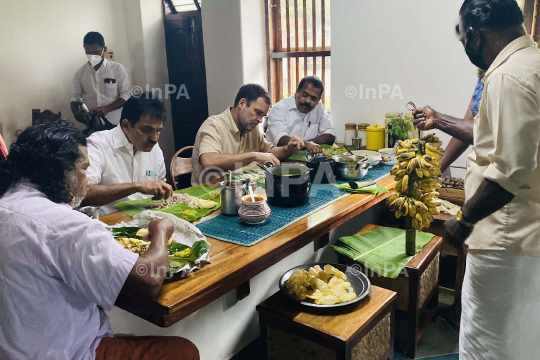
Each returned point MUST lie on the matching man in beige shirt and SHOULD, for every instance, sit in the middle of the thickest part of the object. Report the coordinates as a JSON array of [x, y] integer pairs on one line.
[[501, 214], [231, 140]]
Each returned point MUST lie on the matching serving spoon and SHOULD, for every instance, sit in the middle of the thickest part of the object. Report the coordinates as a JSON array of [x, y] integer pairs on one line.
[[354, 185]]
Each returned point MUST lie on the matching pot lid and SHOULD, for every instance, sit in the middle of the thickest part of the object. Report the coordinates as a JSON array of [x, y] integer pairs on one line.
[[375, 127]]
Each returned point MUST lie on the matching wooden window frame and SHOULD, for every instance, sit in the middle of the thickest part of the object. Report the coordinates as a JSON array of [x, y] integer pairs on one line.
[[276, 52]]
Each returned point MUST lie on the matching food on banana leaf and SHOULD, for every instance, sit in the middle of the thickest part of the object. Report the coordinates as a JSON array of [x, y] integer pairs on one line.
[[191, 201], [131, 238]]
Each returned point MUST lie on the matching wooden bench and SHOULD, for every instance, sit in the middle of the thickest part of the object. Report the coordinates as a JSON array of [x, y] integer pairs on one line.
[[361, 331], [417, 289]]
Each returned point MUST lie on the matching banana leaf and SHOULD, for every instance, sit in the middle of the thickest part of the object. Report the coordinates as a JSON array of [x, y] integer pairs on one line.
[[301, 155], [127, 232], [197, 250], [374, 189], [133, 207], [382, 250]]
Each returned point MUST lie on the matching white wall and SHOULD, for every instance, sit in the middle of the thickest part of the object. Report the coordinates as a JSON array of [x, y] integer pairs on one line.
[[222, 34], [253, 41], [149, 59], [234, 49], [41, 50], [377, 42]]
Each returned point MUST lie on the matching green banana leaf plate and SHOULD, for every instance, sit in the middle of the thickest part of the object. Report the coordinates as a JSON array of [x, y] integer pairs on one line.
[[133, 207]]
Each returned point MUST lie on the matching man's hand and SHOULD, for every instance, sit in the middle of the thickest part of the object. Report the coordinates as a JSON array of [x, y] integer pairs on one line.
[[456, 233], [312, 147], [424, 118], [163, 227], [295, 143], [159, 189], [261, 158], [103, 111]]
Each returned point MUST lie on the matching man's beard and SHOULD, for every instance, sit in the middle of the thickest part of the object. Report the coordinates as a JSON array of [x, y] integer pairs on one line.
[[76, 189]]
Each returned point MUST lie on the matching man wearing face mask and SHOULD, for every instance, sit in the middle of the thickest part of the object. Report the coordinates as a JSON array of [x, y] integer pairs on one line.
[[126, 163], [232, 139], [103, 84], [302, 115], [500, 218]]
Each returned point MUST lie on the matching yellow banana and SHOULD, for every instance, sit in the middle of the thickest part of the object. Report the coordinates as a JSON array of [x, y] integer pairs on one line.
[[420, 206], [391, 198], [405, 207], [397, 186], [426, 164], [419, 173], [403, 164], [410, 166], [412, 209], [416, 225], [406, 156], [426, 172], [405, 183]]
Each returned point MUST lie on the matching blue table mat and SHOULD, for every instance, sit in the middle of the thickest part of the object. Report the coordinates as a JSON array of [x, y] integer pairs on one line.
[[233, 229]]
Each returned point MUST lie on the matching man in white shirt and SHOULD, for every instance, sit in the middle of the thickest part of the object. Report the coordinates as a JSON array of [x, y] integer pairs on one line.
[[302, 115], [60, 270], [500, 218], [103, 84], [126, 163]]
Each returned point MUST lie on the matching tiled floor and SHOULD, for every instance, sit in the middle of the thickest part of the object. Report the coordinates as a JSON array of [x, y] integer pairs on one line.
[[440, 340]]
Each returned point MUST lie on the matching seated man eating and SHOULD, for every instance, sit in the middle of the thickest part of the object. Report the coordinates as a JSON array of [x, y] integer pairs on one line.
[[231, 140], [60, 269], [302, 115], [126, 163]]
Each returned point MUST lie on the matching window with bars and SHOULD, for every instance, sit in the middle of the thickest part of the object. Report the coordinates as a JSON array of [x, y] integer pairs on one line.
[[298, 44]]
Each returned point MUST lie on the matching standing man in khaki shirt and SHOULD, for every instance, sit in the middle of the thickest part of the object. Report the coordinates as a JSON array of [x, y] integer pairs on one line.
[[501, 214], [232, 139]]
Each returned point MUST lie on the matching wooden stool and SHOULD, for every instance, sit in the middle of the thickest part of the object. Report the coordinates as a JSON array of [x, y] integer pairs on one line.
[[362, 331], [417, 288]]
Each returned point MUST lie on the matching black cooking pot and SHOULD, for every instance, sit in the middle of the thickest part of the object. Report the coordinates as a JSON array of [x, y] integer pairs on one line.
[[287, 185], [322, 168]]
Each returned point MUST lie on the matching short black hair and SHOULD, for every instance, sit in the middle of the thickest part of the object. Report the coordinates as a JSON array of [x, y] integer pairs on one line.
[[251, 92], [313, 80], [94, 38], [40, 155], [493, 14], [139, 106]]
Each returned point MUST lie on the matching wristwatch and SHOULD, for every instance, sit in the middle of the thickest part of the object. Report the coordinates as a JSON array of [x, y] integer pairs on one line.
[[459, 217]]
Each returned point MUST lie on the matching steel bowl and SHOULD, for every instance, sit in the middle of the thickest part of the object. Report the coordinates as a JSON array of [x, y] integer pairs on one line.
[[351, 167], [359, 284]]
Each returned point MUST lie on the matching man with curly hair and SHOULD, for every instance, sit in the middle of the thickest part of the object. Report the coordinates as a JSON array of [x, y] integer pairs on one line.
[[59, 269]]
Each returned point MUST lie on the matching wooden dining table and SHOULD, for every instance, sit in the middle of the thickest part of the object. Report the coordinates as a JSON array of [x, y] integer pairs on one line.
[[232, 266]]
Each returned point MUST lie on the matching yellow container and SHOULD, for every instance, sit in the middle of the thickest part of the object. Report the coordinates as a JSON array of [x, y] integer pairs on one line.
[[375, 137]]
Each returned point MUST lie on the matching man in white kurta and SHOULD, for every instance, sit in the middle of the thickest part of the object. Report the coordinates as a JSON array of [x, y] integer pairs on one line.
[[302, 115], [103, 84], [126, 163], [501, 290], [500, 218]]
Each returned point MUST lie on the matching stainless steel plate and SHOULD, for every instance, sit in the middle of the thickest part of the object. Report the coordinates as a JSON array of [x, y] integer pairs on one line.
[[359, 282]]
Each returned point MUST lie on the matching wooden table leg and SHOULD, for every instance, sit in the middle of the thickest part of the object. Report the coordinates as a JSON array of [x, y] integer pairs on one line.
[[243, 291]]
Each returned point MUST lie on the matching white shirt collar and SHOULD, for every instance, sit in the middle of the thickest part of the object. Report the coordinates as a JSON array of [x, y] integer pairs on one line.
[[120, 139]]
